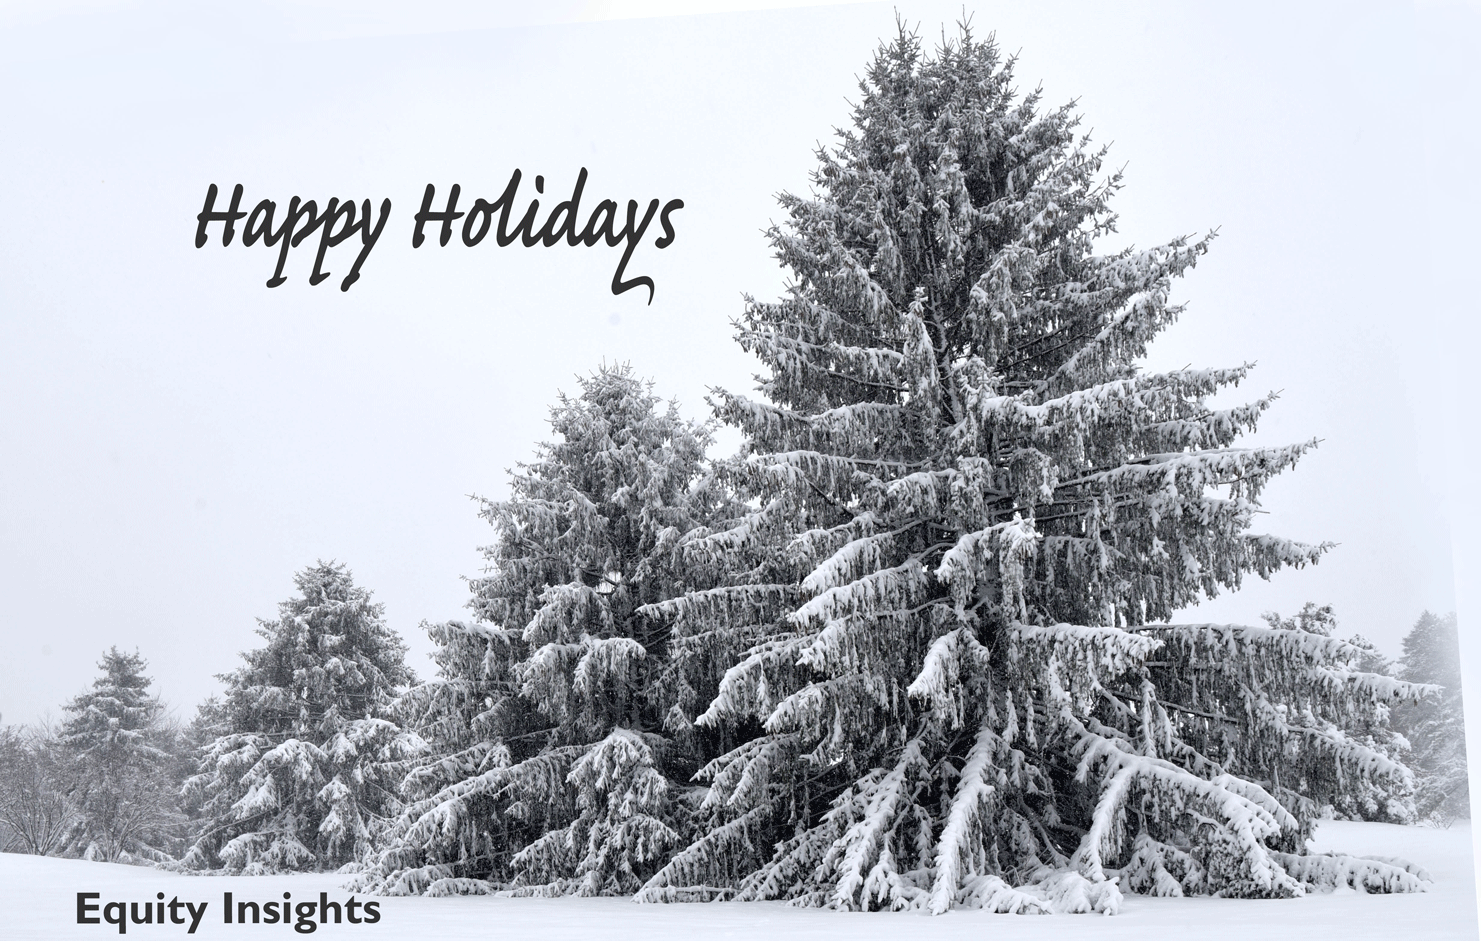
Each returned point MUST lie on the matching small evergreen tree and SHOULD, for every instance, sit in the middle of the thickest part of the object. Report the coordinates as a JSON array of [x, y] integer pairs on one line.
[[305, 770], [972, 510], [1384, 798], [556, 730], [1436, 727], [117, 755]]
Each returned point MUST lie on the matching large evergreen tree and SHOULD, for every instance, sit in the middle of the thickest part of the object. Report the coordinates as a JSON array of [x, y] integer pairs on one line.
[[306, 768], [972, 512], [116, 753], [560, 750]]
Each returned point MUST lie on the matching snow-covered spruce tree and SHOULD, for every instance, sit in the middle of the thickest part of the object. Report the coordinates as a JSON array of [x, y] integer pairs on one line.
[[555, 720], [1386, 798], [209, 723], [972, 512], [115, 755], [306, 769], [1435, 728], [449, 833]]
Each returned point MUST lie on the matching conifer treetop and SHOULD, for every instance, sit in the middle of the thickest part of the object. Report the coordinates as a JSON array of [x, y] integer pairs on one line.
[[119, 710], [328, 656]]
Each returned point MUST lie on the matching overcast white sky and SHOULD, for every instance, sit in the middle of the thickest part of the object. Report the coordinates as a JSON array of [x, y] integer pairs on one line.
[[176, 440]]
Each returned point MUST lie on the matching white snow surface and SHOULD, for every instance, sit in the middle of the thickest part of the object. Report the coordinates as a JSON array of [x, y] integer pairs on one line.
[[38, 899]]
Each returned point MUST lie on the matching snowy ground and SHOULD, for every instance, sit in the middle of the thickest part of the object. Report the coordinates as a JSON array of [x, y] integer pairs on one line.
[[38, 899]]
